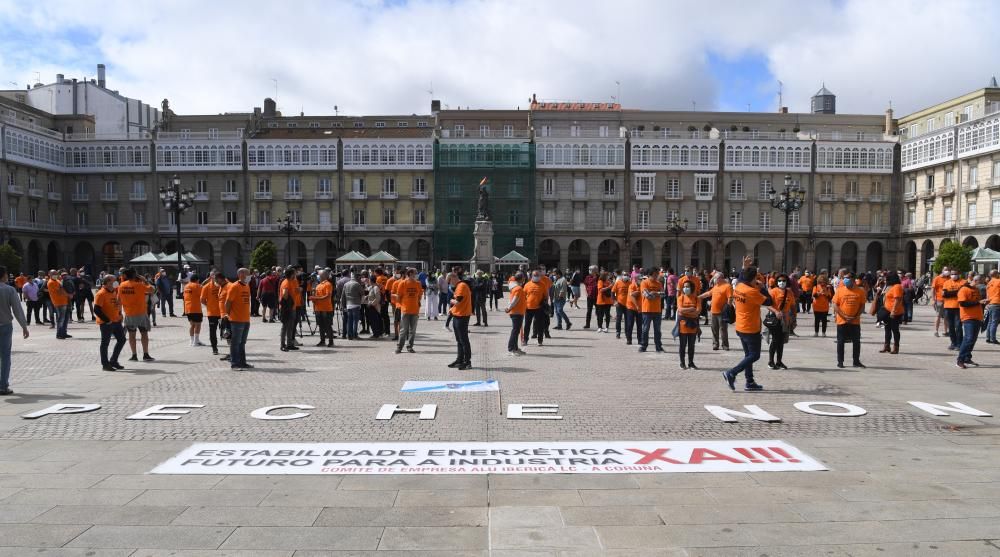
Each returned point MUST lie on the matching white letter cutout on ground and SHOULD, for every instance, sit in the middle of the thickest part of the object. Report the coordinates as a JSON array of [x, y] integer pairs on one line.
[[755, 413], [942, 410], [164, 412], [427, 411], [526, 411], [264, 413], [852, 410], [62, 409]]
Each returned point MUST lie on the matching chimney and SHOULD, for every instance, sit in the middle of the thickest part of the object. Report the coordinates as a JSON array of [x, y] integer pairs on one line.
[[784, 110], [270, 108], [75, 109], [101, 82], [435, 106], [60, 78], [888, 121]]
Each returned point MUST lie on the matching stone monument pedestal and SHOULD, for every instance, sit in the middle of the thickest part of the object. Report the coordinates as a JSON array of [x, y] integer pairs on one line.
[[482, 258]]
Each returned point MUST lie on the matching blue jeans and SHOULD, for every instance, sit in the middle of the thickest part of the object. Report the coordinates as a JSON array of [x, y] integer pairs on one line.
[[516, 321], [970, 330], [62, 320], [951, 316], [238, 343], [353, 316], [907, 310], [6, 337], [647, 320], [561, 313], [993, 311], [751, 353]]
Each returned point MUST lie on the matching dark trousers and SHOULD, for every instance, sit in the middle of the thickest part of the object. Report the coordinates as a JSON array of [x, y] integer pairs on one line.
[[213, 332], [892, 329], [82, 302], [516, 321], [374, 322], [604, 316], [671, 307], [954, 322], [442, 302], [480, 304], [687, 345], [289, 321], [630, 318], [166, 299], [971, 329], [109, 330], [537, 317], [254, 305], [820, 319], [651, 321], [591, 302], [849, 333], [33, 307], [751, 353], [777, 348], [620, 312], [324, 322], [385, 318], [461, 327]]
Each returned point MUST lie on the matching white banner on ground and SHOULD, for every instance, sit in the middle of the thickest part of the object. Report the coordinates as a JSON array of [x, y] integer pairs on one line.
[[450, 386], [614, 457]]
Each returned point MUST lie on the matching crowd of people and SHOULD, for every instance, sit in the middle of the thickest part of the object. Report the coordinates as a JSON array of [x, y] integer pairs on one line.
[[380, 303]]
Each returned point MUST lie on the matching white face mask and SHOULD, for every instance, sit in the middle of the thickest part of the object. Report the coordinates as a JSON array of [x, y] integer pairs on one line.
[[536, 279], [687, 290], [114, 285], [246, 280], [781, 283]]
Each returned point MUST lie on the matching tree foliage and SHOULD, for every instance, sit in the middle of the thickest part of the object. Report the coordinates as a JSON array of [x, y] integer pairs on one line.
[[10, 259], [955, 256], [264, 256]]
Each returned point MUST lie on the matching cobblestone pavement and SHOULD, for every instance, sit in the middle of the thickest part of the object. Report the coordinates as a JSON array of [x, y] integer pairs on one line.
[[901, 482]]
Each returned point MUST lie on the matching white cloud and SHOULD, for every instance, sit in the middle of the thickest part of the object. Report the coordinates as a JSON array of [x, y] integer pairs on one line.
[[371, 57]]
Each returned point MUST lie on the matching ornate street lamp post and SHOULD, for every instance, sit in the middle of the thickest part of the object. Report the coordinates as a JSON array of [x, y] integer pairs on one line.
[[289, 227], [788, 201], [676, 227], [176, 201]]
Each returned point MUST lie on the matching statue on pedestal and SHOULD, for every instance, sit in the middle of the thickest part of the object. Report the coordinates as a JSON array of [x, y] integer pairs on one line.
[[484, 202]]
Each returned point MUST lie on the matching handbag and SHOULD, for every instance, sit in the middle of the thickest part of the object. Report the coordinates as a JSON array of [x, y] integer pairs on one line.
[[771, 321], [729, 312]]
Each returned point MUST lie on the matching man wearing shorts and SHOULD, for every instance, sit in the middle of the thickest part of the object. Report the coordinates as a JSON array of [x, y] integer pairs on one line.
[[192, 308], [132, 295]]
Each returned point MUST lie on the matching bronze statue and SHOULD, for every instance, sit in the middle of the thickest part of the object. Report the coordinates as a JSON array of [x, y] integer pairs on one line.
[[484, 203]]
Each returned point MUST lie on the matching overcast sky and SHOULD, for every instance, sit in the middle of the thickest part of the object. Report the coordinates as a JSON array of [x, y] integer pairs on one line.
[[370, 56]]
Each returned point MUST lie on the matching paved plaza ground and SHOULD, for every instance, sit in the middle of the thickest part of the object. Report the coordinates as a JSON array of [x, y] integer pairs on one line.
[[900, 481]]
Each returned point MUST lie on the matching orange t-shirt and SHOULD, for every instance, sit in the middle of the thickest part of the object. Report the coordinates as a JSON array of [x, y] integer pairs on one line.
[[324, 290], [747, 301], [462, 308], [521, 304], [632, 302], [894, 300], [409, 293], [620, 292], [192, 298], [993, 291], [380, 281], [784, 297], [108, 303], [223, 292], [210, 297], [534, 293], [821, 298], [58, 296], [238, 298], [806, 283], [290, 287], [720, 296], [132, 296], [390, 290], [937, 284], [850, 301], [654, 304], [19, 281], [948, 287], [604, 294], [546, 283], [973, 313], [687, 301], [695, 284]]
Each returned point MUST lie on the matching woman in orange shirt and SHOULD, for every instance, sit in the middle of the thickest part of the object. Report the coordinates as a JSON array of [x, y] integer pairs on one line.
[[604, 300], [821, 294], [784, 301], [688, 310], [892, 303]]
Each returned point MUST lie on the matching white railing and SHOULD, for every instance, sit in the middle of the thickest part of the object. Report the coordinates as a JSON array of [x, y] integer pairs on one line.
[[827, 197], [7, 119], [555, 225], [321, 195], [877, 198], [852, 197], [43, 227], [200, 135], [201, 228], [703, 196], [55, 196], [293, 195], [81, 197], [644, 195], [15, 189], [262, 195], [230, 196], [141, 196], [108, 136], [738, 197], [358, 195], [389, 195], [198, 196], [109, 196], [385, 227], [419, 195], [35, 192]]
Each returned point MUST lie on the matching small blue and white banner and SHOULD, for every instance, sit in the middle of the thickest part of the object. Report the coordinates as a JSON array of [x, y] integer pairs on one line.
[[450, 386]]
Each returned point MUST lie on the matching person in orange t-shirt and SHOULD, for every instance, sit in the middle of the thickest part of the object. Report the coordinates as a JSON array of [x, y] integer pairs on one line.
[[620, 293], [806, 284], [133, 294], [322, 300], [60, 302], [937, 288], [210, 291], [892, 302], [534, 295], [952, 316], [822, 293], [392, 286], [604, 300], [783, 300], [19, 283], [409, 292], [993, 307], [720, 293], [461, 309], [632, 302], [516, 308], [192, 309], [289, 299], [848, 304], [651, 306], [109, 319], [237, 310], [970, 308], [748, 298], [688, 310]]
